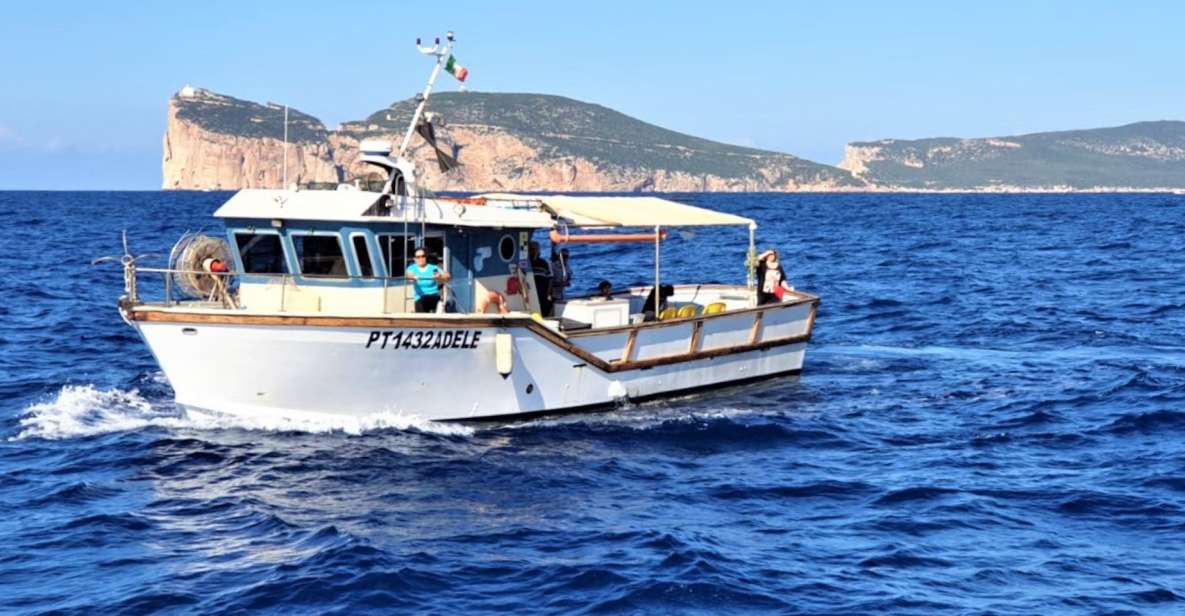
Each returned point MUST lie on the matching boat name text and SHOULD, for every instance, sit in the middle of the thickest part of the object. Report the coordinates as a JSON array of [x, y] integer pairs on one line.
[[425, 339]]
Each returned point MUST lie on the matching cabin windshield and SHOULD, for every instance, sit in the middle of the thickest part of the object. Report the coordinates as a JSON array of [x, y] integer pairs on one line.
[[320, 255], [261, 253]]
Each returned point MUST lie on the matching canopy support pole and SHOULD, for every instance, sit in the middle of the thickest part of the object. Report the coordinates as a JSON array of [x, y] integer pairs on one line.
[[751, 264], [657, 271]]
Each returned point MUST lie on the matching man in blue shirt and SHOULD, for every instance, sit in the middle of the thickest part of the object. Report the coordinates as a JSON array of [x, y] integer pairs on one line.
[[425, 279]]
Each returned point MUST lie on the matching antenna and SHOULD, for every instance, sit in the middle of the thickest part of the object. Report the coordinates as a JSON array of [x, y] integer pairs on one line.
[[285, 184]]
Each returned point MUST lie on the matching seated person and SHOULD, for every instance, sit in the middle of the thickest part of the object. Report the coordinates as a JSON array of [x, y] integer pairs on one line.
[[605, 289], [425, 279], [771, 279], [648, 309]]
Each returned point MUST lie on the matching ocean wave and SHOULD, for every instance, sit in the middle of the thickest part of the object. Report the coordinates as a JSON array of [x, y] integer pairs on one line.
[[640, 417], [671, 597], [915, 493], [1154, 422], [904, 559], [694, 429], [830, 489], [79, 411]]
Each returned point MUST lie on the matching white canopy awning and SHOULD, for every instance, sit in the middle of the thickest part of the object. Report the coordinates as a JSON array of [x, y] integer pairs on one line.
[[297, 205], [358, 206], [596, 211]]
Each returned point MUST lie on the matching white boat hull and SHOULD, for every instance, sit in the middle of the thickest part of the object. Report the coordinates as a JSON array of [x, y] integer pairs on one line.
[[296, 367]]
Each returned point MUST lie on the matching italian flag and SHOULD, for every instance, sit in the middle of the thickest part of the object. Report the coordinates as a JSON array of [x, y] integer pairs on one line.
[[455, 69]]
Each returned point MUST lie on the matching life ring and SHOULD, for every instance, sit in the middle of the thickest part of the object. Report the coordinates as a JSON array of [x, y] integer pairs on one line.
[[495, 298]]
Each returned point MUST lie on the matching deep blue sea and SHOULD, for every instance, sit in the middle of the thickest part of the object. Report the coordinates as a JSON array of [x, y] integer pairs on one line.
[[991, 419]]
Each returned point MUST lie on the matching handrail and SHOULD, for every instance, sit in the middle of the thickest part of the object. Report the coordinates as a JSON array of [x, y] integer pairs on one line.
[[285, 280], [161, 270], [288, 279], [802, 298]]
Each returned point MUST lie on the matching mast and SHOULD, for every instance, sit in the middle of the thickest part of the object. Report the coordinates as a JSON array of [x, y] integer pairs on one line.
[[441, 54]]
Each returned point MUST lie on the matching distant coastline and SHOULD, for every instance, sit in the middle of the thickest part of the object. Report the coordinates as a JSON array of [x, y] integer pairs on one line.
[[536, 143]]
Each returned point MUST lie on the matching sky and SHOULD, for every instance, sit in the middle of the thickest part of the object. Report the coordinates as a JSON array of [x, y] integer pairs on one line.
[[84, 86]]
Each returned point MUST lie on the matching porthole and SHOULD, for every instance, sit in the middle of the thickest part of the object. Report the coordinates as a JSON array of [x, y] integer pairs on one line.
[[506, 248], [530, 388]]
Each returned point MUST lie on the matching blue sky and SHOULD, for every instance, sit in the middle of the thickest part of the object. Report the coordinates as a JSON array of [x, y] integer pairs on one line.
[[84, 86]]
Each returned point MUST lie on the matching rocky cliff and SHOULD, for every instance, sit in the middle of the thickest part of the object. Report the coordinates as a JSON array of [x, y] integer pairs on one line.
[[219, 142], [511, 142], [1142, 156]]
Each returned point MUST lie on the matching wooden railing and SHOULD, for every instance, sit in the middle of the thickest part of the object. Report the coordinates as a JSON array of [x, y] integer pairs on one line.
[[626, 361]]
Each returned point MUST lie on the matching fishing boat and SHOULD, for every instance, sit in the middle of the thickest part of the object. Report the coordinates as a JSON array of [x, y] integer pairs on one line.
[[304, 307]]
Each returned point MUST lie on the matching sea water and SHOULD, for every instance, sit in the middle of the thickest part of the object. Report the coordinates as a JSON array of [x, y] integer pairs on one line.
[[990, 420]]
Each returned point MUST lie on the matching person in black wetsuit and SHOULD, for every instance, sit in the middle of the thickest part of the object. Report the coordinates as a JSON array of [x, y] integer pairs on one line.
[[561, 274], [542, 276]]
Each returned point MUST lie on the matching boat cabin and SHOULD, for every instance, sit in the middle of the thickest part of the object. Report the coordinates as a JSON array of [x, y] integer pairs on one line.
[[346, 252]]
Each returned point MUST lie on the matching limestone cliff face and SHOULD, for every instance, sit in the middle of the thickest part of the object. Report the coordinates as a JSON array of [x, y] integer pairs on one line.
[[505, 142], [497, 160], [857, 157], [200, 154]]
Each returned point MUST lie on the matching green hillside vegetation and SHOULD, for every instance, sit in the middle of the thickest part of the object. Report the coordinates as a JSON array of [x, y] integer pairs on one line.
[[562, 127], [1141, 155], [231, 116]]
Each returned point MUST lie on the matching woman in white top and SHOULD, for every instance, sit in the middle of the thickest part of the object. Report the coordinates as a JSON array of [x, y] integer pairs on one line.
[[771, 278]]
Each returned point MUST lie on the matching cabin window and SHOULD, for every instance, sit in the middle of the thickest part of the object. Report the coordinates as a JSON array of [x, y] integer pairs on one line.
[[362, 253], [394, 248], [261, 253], [320, 255], [434, 246]]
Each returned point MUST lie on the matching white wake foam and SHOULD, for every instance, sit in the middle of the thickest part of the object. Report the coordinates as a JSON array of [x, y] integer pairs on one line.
[[84, 410], [385, 420]]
